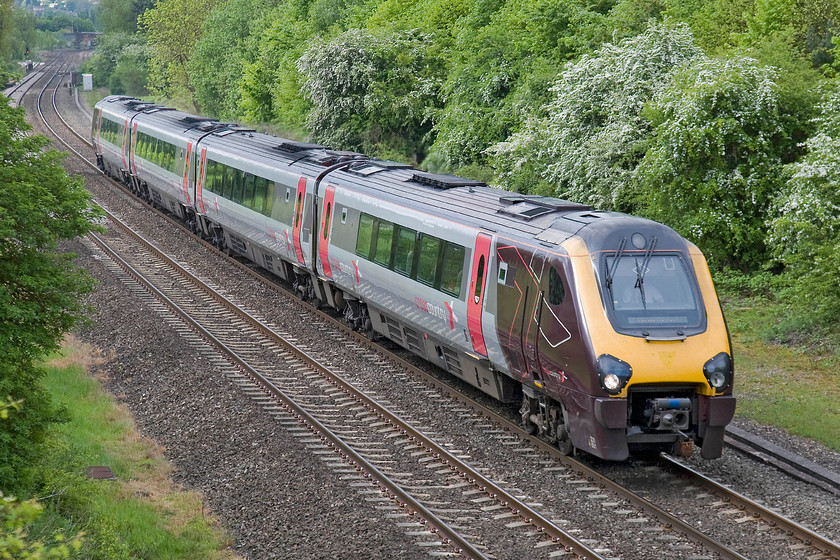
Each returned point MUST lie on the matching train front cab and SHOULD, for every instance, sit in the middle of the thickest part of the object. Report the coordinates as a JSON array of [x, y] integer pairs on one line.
[[662, 366]]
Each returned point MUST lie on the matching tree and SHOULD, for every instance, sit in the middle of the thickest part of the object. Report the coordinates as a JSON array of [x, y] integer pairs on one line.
[[715, 162], [270, 89], [216, 61], [39, 287], [120, 16], [505, 56], [173, 27], [371, 94], [594, 135], [120, 62], [805, 229]]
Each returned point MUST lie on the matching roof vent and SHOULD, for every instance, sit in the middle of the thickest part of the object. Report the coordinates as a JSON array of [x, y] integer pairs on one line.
[[192, 119], [444, 181], [542, 201], [371, 166], [291, 147]]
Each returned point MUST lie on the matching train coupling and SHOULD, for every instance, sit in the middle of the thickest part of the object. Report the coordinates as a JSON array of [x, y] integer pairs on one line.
[[669, 415]]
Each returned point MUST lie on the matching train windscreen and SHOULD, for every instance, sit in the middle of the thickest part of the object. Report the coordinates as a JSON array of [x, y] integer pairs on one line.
[[651, 292]]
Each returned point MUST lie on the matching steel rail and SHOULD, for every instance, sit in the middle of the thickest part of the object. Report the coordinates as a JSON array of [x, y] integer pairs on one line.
[[807, 536]]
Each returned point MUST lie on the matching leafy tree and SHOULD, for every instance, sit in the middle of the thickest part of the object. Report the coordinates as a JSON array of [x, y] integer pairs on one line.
[[120, 62], [715, 24], [172, 28], [120, 16], [805, 230], [715, 162], [216, 61], [131, 72], [594, 135], [270, 90], [807, 26], [370, 93], [39, 206], [505, 56]]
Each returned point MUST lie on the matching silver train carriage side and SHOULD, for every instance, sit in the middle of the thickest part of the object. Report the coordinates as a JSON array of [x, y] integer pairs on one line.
[[605, 327]]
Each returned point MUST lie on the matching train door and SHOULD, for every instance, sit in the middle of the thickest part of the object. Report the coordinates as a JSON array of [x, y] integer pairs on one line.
[[532, 319], [475, 296], [297, 226], [324, 236], [186, 182]]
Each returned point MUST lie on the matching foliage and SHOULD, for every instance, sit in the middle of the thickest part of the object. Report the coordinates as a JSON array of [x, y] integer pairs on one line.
[[120, 16], [716, 25], [805, 232], [172, 28], [371, 94], [39, 206], [15, 541], [806, 26], [17, 33], [120, 63], [504, 57], [270, 89], [223, 47], [715, 162], [593, 137]]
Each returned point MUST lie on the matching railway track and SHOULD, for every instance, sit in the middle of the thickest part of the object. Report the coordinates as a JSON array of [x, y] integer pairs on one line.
[[620, 503]]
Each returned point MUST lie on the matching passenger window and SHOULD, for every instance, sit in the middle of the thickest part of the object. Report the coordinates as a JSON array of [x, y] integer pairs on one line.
[[453, 269], [556, 290], [404, 259], [384, 242], [269, 197], [327, 220], [365, 237], [479, 279], [428, 263], [248, 192], [229, 182], [260, 190], [238, 186]]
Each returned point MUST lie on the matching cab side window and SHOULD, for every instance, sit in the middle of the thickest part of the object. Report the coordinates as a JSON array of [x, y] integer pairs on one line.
[[556, 289]]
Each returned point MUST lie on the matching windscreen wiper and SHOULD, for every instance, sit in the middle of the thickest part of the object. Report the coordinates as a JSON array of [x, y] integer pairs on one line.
[[641, 271], [611, 269]]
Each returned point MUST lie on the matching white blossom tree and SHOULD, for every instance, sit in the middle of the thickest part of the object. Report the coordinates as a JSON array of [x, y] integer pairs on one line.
[[715, 162], [588, 146], [371, 93], [805, 231]]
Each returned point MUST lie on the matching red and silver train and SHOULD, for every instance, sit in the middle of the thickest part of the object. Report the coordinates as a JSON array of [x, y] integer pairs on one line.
[[605, 327]]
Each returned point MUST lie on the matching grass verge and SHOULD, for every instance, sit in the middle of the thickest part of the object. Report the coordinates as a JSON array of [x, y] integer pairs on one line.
[[141, 514], [796, 390]]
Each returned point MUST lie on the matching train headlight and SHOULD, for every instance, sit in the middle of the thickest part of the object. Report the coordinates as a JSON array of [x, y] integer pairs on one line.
[[613, 373], [718, 371]]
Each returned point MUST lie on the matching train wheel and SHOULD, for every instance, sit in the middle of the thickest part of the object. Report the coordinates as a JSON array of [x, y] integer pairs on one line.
[[525, 412], [559, 429]]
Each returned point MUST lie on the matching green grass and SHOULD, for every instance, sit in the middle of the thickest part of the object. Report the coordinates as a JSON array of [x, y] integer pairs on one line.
[[793, 388], [141, 514]]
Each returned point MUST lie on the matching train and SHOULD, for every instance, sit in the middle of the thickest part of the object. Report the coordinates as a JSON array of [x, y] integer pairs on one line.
[[603, 327]]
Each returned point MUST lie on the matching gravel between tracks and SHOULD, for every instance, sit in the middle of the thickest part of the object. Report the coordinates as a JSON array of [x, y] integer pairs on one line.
[[277, 498]]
